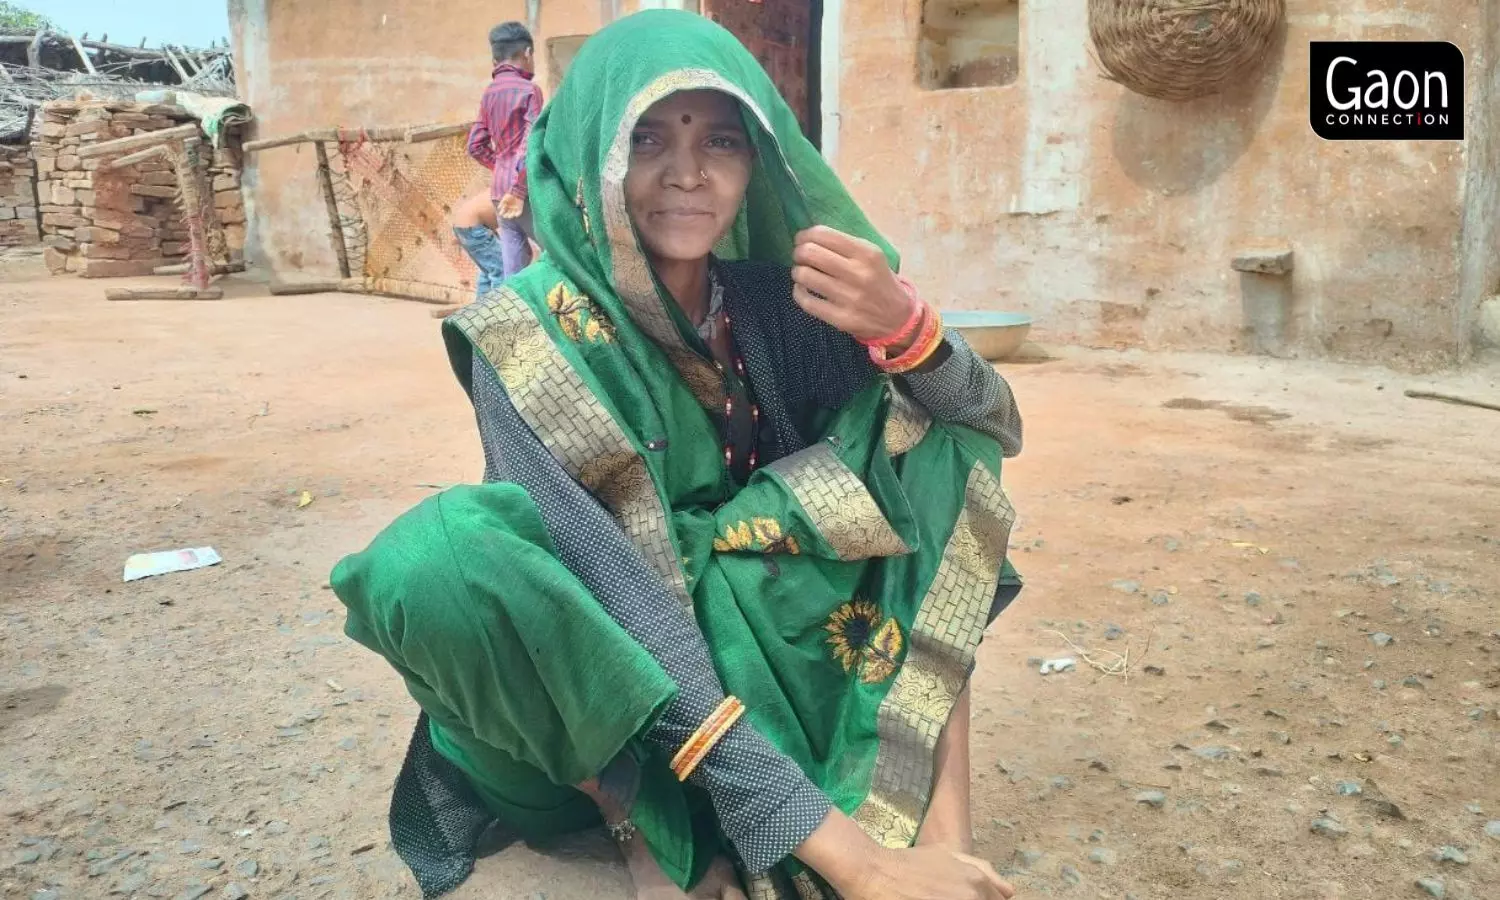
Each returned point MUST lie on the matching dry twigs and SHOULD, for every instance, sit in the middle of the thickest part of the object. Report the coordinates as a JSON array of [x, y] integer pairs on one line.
[[1120, 666]]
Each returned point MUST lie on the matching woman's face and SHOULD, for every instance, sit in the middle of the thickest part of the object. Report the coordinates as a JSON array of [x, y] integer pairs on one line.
[[690, 162]]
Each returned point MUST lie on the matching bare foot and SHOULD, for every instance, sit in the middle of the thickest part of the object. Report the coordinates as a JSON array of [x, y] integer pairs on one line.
[[650, 882], [721, 883]]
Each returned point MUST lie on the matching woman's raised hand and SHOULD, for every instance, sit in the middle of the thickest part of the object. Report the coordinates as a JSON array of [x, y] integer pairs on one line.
[[846, 282]]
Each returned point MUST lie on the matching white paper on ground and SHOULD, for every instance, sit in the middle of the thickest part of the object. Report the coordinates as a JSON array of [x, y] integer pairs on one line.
[[144, 565]]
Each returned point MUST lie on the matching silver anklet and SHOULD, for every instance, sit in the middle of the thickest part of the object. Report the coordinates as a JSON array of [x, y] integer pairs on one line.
[[620, 832]]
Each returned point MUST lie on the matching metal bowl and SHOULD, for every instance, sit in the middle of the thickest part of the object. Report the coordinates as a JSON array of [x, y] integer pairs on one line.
[[993, 335]]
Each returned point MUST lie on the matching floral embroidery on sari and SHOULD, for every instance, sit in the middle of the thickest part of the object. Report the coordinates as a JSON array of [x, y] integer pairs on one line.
[[861, 637], [580, 317], [759, 535]]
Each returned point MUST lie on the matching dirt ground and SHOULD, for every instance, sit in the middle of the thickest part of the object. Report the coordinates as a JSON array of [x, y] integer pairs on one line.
[[1248, 533]]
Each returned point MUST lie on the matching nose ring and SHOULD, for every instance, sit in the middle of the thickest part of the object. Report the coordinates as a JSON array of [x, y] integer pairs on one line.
[[703, 176]]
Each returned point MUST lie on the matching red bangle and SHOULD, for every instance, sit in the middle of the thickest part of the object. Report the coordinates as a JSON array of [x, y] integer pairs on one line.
[[912, 320], [920, 349]]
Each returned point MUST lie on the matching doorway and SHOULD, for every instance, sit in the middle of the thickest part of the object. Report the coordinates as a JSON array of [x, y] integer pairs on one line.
[[786, 36]]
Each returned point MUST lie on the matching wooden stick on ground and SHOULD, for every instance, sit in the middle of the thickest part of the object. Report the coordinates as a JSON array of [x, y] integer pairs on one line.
[[184, 268], [182, 293], [287, 288], [1451, 398]]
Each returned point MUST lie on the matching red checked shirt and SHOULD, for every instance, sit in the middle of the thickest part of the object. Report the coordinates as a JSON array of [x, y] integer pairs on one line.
[[498, 139]]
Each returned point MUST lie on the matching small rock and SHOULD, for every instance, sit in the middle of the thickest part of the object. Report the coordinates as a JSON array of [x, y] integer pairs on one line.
[[235, 891], [348, 743], [1153, 799], [1062, 783], [27, 857], [1252, 598], [1378, 684], [1065, 664], [1071, 876], [1395, 740], [211, 865], [1034, 662], [1385, 808], [1268, 772], [1328, 828], [194, 891], [1264, 644], [1474, 809], [1281, 737], [1433, 886], [1213, 753], [1096, 836], [1025, 859], [1126, 586], [1492, 829], [189, 847], [46, 894], [1450, 854], [277, 827], [1381, 639], [1113, 632], [130, 884], [1413, 681], [1160, 598], [1103, 857], [1216, 725], [1349, 789], [248, 868], [1158, 671]]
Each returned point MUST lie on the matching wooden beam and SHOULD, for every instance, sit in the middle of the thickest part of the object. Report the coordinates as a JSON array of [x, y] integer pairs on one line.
[[183, 293], [181, 72], [138, 141], [411, 134], [34, 49], [83, 55], [285, 288], [139, 156], [330, 202]]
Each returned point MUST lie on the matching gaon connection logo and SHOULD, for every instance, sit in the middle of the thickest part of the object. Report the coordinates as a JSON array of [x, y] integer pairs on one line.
[[1387, 91]]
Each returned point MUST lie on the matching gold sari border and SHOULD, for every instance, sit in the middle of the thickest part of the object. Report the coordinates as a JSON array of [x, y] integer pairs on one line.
[[943, 641], [906, 422], [572, 423], [838, 504]]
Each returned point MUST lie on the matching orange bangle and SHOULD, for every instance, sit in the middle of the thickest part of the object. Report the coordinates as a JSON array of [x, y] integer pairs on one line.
[[932, 345], [706, 737], [927, 342]]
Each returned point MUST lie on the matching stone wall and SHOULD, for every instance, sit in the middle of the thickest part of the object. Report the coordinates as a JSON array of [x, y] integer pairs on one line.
[[102, 222], [18, 225]]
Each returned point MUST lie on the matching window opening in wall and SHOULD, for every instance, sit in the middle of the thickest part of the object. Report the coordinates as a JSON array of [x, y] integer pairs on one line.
[[969, 43], [560, 53]]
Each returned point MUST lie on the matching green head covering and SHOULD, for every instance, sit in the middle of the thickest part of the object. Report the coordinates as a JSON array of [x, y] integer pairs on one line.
[[580, 150]]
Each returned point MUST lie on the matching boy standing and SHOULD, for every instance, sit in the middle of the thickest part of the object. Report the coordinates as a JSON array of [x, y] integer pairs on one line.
[[498, 139]]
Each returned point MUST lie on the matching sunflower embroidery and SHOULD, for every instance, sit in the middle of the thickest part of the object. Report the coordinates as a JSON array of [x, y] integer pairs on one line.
[[580, 317], [759, 535], [860, 637]]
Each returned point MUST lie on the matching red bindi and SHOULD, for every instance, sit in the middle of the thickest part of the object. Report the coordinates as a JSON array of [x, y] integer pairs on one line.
[[687, 119]]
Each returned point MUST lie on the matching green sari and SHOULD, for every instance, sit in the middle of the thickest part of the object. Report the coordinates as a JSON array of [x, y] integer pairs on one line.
[[842, 590]]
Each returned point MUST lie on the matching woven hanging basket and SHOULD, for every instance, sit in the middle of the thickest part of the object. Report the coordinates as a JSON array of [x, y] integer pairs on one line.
[[1182, 49]]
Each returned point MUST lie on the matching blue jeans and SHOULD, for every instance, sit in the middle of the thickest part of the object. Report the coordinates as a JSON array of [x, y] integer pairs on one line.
[[485, 248]]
